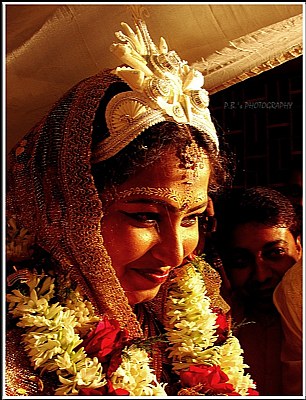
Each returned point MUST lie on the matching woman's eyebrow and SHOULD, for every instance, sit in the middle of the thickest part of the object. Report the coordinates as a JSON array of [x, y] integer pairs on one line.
[[166, 204]]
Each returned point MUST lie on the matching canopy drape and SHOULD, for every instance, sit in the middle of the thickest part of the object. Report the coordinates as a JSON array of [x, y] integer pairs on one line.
[[50, 47]]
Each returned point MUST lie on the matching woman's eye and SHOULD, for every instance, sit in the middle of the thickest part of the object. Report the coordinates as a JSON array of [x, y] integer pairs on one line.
[[190, 220], [147, 219]]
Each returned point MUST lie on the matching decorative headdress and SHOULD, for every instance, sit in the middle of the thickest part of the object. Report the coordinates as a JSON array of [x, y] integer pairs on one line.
[[164, 88]]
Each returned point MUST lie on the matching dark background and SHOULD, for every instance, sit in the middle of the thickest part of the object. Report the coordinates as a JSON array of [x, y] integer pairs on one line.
[[261, 127]]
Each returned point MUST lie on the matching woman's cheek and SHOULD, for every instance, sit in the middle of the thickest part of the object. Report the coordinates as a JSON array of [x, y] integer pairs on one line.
[[134, 243], [137, 242], [191, 241]]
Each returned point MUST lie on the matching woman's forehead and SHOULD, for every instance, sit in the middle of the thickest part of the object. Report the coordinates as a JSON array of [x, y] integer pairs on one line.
[[167, 181]]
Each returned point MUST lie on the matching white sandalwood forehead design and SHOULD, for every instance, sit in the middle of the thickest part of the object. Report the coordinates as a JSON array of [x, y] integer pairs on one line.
[[163, 88]]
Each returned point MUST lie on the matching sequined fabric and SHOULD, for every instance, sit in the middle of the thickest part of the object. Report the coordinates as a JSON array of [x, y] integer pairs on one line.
[[52, 194]]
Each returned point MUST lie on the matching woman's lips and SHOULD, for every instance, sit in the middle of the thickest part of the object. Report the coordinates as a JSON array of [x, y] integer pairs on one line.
[[155, 276]]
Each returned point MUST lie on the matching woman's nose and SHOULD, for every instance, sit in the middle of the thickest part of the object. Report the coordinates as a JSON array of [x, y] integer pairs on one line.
[[170, 248]]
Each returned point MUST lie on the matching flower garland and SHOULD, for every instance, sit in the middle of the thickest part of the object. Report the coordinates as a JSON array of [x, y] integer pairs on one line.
[[52, 341], [200, 354], [91, 356]]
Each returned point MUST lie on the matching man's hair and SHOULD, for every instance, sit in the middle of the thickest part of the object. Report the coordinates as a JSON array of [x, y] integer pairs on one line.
[[257, 204]]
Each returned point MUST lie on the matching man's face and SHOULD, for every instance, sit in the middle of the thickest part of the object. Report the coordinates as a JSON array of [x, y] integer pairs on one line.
[[258, 258]]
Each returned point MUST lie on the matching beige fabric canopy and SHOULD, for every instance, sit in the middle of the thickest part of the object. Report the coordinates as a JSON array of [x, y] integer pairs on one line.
[[51, 46]]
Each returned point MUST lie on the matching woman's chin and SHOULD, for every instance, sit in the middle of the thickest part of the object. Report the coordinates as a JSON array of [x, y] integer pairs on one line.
[[141, 296]]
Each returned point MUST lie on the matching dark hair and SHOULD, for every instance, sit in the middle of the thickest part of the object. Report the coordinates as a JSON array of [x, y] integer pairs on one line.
[[150, 146], [257, 204]]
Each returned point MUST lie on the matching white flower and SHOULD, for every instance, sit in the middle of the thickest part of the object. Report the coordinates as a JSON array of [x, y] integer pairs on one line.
[[84, 313], [90, 375], [50, 339], [36, 301], [191, 330], [135, 375], [231, 362], [191, 327]]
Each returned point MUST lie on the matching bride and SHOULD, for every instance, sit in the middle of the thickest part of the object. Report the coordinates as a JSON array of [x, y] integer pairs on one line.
[[106, 295]]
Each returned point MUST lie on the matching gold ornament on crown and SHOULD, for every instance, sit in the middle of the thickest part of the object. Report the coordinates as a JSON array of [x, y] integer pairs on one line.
[[164, 88]]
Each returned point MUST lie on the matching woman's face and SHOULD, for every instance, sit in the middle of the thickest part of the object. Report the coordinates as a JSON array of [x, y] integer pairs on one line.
[[152, 226]]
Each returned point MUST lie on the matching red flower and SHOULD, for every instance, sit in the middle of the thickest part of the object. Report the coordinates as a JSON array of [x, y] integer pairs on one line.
[[253, 392], [223, 325], [107, 389], [106, 343], [212, 379]]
